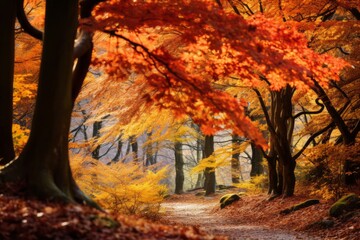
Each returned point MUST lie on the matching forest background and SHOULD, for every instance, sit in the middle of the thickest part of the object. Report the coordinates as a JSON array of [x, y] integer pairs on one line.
[[180, 95]]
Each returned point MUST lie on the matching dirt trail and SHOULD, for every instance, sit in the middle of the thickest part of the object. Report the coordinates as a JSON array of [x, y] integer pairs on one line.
[[202, 214]]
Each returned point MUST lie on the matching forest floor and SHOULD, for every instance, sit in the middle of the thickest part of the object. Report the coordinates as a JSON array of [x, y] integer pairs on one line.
[[24, 218], [254, 217], [186, 216]]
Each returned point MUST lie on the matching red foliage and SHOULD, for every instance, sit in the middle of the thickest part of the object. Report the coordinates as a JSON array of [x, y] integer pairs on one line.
[[181, 48]]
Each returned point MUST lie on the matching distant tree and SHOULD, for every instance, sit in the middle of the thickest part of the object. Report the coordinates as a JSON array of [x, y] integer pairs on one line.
[[209, 173], [179, 168]]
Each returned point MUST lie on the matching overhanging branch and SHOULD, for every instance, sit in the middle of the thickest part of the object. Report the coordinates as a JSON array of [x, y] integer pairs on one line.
[[311, 112], [24, 21]]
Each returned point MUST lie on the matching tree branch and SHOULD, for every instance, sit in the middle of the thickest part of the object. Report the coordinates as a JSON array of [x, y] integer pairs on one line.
[[24, 22], [267, 117], [311, 112], [311, 138]]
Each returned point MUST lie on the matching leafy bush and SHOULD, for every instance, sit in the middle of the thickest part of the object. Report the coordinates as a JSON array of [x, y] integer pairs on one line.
[[119, 187], [256, 184], [325, 175]]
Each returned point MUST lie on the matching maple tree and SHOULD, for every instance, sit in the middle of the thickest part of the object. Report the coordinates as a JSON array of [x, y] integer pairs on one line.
[[213, 45], [323, 36]]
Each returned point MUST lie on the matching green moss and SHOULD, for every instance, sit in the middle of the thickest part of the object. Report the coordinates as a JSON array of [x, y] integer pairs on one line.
[[345, 203], [226, 196], [228, 199], [337, 209], [350, 198]]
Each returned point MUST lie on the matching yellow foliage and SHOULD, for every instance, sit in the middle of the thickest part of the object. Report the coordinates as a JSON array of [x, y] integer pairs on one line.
[[256, 184], [326, 171], [20, 136], [119, 187], [23, 89], [221, 157]]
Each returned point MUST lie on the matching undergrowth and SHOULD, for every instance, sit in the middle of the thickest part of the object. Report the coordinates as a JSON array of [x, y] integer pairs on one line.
[[120, 187]]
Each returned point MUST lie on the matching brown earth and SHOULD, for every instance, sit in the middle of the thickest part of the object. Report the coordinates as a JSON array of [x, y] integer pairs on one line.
[[184, 217]]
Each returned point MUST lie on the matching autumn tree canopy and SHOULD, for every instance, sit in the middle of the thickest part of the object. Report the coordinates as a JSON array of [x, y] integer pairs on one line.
[[174, 50]]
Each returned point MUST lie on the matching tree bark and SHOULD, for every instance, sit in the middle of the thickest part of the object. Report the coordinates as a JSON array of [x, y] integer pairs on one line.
[[235, 163], [335, 115], [44, 163], [179, 168], [281, 161], [95, 135], [256, 161], [210, 180], [7, 47], [134, 148]]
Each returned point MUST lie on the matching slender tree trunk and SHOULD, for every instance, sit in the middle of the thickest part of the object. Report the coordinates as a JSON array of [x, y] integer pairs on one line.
[[256, 161], [96, 134], [149, 150], [335, 115], [179, 168], [7, 45], [210, 180], [235, 163], [199, 150], [347, 136], [118, 151], [134, 148]]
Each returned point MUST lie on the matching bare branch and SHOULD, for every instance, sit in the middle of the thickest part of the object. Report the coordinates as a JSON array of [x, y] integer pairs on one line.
[[311, 138], [311, 112], [24, 22]]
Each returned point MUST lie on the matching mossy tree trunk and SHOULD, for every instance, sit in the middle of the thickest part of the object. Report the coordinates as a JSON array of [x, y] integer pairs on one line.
[[179, 169], [44, 163], [7, 25], [210, 180]]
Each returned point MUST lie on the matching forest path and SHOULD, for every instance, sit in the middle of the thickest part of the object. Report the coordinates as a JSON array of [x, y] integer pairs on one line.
[[202, 213]]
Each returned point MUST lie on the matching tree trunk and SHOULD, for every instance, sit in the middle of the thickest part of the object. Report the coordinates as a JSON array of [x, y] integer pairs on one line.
[[179, 168], [96, 134], [150, 153], [289, 178], [118, 151], [256, 161], [235, 163], [44, 162], [273, 177], [134, 148], [7, 45], [199, 150], [280, 143], [210, 180], [335, 115], [347, 136]]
